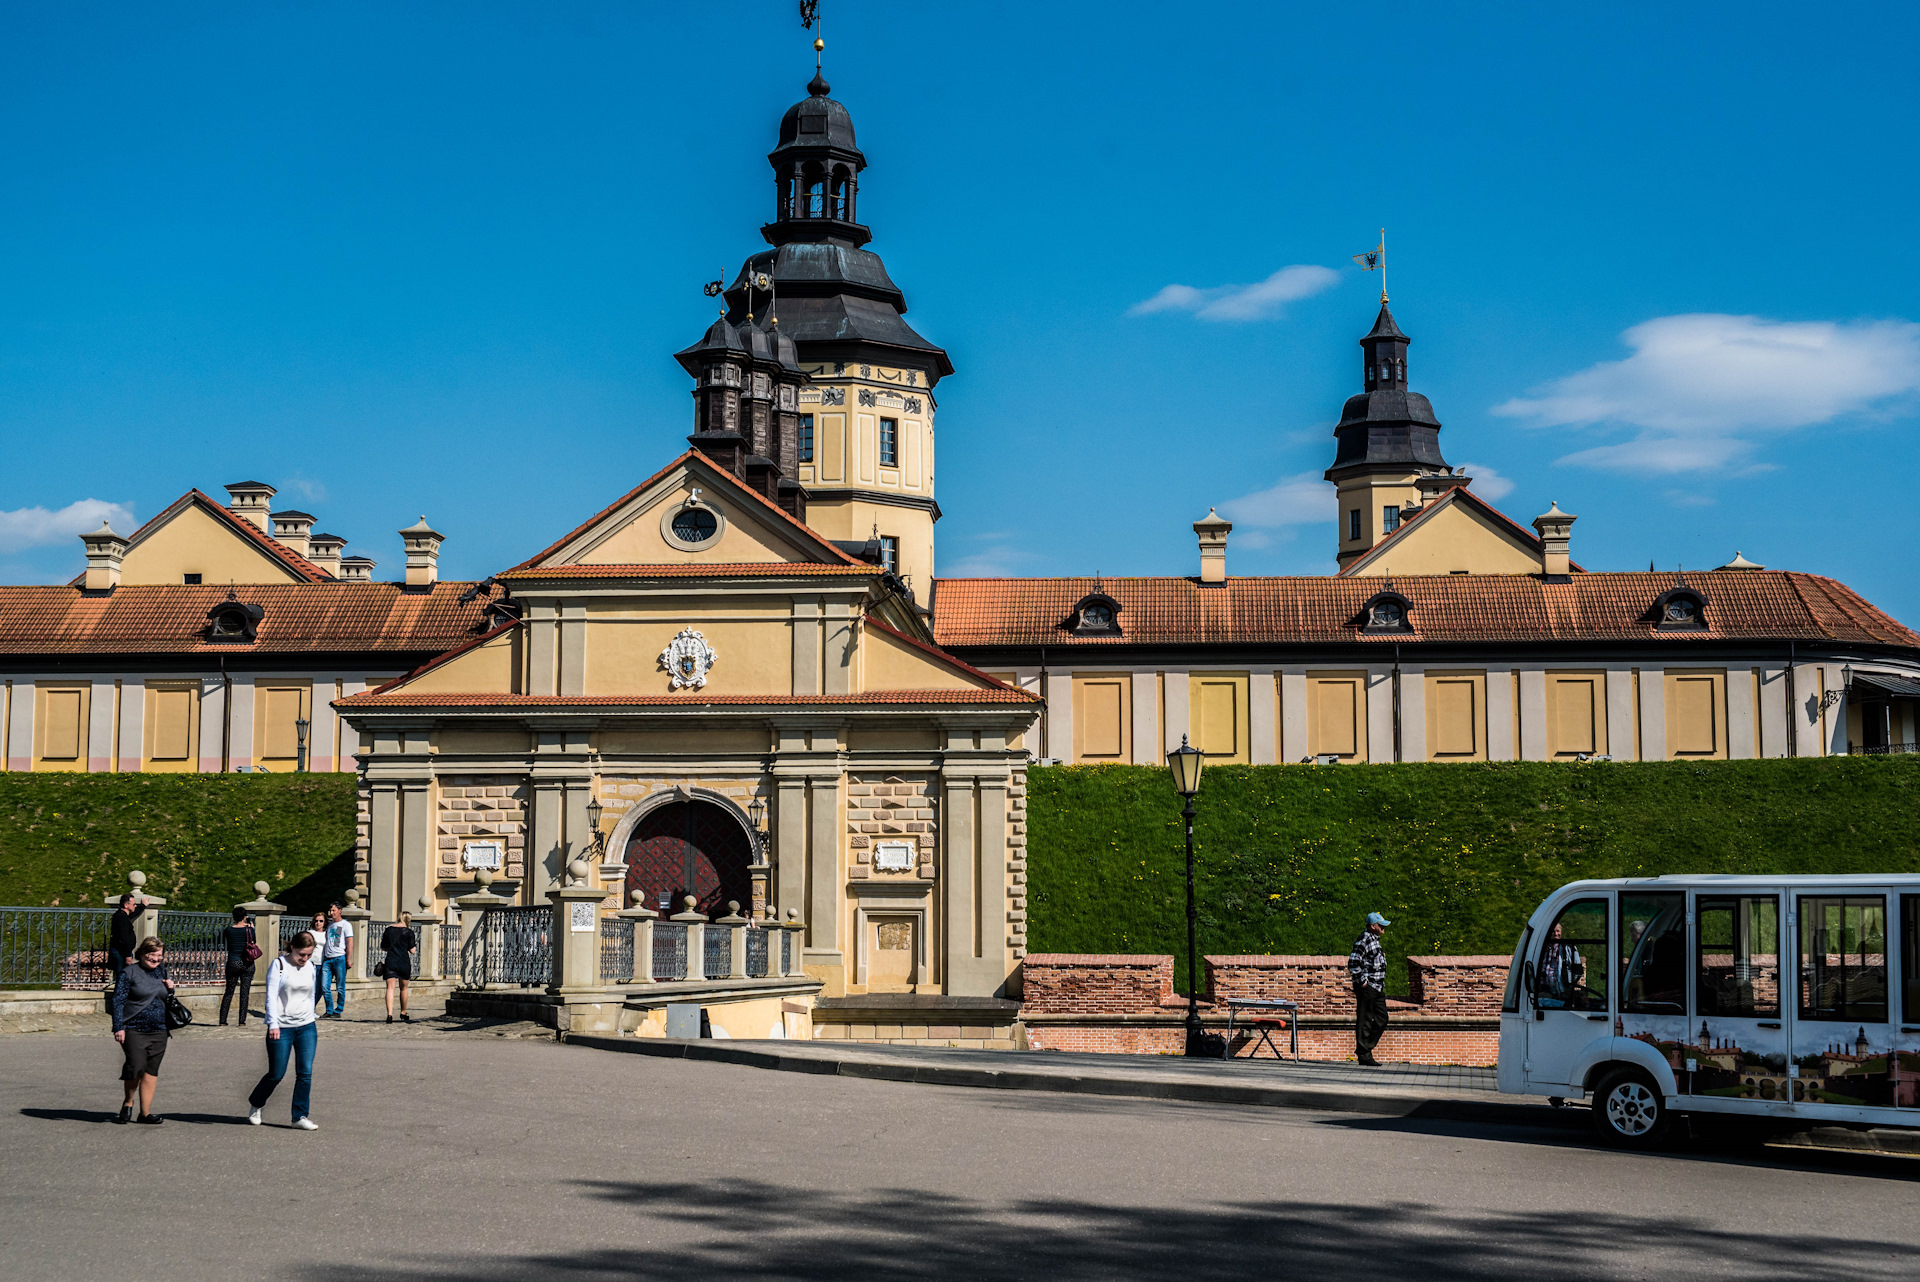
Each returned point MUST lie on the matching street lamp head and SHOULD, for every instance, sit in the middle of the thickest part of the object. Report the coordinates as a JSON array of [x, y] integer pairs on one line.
[[300, 728], [757, 812], [594, 811], [1185, 762]]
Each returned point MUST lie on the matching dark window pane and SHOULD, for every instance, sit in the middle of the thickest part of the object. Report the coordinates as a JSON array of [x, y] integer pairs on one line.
[[695, 525], [1653, 953], [1910, 956], [806, 438], [1511, 1002], [1572, 971], [1739, 970], [1843, 958]]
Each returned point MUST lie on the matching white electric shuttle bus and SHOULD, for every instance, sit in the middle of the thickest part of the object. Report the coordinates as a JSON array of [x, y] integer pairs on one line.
[[1794, 1000]]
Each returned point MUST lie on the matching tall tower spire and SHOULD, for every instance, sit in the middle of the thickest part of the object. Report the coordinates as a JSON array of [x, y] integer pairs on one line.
[[1388, 441]]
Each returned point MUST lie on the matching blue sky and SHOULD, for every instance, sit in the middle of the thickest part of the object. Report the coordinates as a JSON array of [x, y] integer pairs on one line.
[[406, 259]]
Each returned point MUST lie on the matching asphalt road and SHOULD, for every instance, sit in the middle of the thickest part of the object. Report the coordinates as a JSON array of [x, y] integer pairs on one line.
[[449, 1155]]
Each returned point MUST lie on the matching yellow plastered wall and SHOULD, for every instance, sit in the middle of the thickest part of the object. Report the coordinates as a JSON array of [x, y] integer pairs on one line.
[[1456, 716], [492, 667], [755, 654], [856, 519], [1696, 714], [891, 664], [1102, 716], [60, 716], [1218, 715], [749, 532], [277, 705], [1337, 714], [1369, 495], [1454, 537], [1012, 679], [193, 542], [1576, 713], [170, 728]]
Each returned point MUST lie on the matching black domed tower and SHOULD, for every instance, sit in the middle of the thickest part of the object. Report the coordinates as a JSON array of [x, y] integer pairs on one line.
[[864, 415], [1387, 461]]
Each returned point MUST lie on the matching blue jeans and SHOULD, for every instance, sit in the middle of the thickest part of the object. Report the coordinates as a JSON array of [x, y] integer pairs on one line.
[[300, 1043], [333, 985]]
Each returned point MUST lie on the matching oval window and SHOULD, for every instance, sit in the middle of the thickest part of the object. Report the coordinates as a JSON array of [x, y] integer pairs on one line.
[[694, 525], [1681, 610], [1098, 616]]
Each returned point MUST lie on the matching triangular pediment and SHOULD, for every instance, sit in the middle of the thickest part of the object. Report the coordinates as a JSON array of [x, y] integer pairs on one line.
[[1458, 532], [196, 535], [658, 523]]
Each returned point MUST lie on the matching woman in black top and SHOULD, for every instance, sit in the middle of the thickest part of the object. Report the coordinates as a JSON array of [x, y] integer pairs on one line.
[[239, 937], [140, 1026], [398, 942]]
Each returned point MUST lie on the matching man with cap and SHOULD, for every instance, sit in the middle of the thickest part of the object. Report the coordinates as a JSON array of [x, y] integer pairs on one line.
[[1368, 966]]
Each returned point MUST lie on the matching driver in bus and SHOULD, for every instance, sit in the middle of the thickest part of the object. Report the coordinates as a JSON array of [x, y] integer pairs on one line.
[[1562, 969]]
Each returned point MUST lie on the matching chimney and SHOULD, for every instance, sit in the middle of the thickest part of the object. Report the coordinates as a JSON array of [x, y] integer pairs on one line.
[[293, 530], [324, 551], [1213, 533], [357, 569], [1556, 536], [249, 501], [104, 551], [423, 553]]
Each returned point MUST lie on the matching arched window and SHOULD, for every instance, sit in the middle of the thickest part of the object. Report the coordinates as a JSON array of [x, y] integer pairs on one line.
[[840, 194], [814, 203]]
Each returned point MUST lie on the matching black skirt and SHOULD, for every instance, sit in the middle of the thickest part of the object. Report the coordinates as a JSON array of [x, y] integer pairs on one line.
[[399, 966]]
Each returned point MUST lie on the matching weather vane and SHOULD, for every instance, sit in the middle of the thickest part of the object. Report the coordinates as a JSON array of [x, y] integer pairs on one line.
[[1376, 258], [810, 19]]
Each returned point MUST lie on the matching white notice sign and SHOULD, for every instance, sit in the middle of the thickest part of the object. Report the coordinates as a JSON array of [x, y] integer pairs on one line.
[[582, 918], [893, 856]]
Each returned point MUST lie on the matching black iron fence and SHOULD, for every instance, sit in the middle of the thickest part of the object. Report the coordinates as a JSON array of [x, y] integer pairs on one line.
[[1881, 749], [196, 946], [54, 947], [670, 950], [450, 949], [756, 952], [510, 946], [718, 952], [616, 950]]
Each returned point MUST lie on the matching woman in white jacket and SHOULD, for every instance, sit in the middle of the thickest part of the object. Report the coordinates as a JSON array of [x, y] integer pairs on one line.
[[293, 981]]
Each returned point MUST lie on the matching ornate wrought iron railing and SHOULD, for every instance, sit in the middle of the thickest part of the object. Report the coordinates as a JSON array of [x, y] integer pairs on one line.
[[670, 950], [291, 926], [757, 952], [1881, 749], [450, 950], [510, 946], [616, 950], [196, 946], [786, 952], [54, 947], [717, 959]]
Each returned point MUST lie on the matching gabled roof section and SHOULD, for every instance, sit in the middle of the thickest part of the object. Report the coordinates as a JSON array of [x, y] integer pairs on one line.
[[948, 661], [1459, 495], [285, 557], [806, 545]]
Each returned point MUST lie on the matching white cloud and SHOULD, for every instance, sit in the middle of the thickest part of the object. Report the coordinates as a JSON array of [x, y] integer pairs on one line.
[[1302, 499], [29, 527], [1241, 302], [1699, 387], [1487, 483]]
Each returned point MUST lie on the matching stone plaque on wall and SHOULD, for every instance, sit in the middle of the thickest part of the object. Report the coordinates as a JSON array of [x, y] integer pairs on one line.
[[582, 919], [893, 856], [481, 854]]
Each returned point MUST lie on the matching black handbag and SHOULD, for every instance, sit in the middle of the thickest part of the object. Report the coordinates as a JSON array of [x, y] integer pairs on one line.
[[379, 970], [177, 1015]]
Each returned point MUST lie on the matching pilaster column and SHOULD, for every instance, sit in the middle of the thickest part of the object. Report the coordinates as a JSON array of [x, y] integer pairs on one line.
[[383, 855], [576, 938], [737, 930], [266, 924], [827, 882], [357, 950], [960, 878], [642, 918], [416, 846], [790, 840], [696, 924]]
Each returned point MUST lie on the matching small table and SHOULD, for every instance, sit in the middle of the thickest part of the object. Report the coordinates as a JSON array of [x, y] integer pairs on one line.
[[1264, 1026]]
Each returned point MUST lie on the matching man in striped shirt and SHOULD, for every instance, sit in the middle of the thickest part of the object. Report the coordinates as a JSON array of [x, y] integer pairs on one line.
[[1368, 966]]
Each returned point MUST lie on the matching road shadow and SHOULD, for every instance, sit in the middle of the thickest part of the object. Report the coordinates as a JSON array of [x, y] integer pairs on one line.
[[739, 1229], [96, 1116]]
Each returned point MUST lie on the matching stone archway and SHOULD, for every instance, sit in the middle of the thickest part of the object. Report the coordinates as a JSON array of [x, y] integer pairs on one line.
[[690, 847]]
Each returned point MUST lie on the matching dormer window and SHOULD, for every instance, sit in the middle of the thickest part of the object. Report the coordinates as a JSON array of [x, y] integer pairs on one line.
[[1096, 615], [1385, 612], [1678, 609], [233, 622]]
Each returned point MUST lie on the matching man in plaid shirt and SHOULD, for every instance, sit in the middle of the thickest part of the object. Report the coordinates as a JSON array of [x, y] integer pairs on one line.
[[1367, 963]]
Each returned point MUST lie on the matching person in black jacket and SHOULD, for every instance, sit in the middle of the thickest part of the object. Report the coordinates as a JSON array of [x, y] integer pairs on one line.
[[238, 938], [120, 939], [140, 1026]]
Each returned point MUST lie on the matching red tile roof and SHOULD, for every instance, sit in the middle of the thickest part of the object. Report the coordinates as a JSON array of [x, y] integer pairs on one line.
[[742, 492], [298, 565], [404, 699], [690, 569], [171, 618], [1741, 605]]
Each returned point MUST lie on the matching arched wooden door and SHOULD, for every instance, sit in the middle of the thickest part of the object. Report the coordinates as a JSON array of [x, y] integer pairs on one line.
[[689, 848]]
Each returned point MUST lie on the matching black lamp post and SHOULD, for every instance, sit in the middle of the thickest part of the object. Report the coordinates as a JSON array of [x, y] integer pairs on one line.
[[596, 839], [1185, 762], [300, 728], [757, 815]]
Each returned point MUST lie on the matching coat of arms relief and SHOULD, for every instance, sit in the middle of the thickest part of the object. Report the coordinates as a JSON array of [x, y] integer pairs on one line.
[[689, 658]]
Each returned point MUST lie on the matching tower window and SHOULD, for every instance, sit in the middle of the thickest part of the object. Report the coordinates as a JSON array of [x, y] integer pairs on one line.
[[806, 438], [1390, 518], [1353, 523], [890, 442], [890, 553]]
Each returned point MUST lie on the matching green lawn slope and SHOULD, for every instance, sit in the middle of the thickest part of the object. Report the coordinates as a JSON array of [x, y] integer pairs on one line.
[[1291, 858], [202, 840]]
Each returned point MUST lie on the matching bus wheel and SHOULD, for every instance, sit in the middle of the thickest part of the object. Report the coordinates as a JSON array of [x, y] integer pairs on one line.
[[1628, 1111]]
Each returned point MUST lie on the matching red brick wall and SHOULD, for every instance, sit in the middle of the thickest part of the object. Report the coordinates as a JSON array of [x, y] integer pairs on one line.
[[1458, 985], [1321, 985], [1095, 983]]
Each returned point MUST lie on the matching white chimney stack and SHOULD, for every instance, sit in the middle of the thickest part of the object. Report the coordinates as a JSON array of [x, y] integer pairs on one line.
[[293, 529], [357, 569], [423, 553], [104, 552], [249, 500], [1555, 529], [324, 551], [1213, 531]]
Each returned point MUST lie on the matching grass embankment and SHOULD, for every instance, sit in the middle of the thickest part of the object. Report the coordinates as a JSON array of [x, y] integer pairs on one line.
[[1291, 858], [202, 840]]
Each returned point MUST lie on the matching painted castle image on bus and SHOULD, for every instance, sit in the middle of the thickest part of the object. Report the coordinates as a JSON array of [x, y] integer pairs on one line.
[[1848, 1072]]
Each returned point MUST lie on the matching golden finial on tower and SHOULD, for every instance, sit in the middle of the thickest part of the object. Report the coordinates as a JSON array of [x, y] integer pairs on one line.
[[1376, 258]]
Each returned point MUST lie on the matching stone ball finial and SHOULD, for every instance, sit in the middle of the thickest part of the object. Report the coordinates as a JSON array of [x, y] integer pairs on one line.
[[484, 876], [353, 897], [261, 888], [733, 908], [578, 870], [793, 915], [690, 901], [425, 902], [136, 879]]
